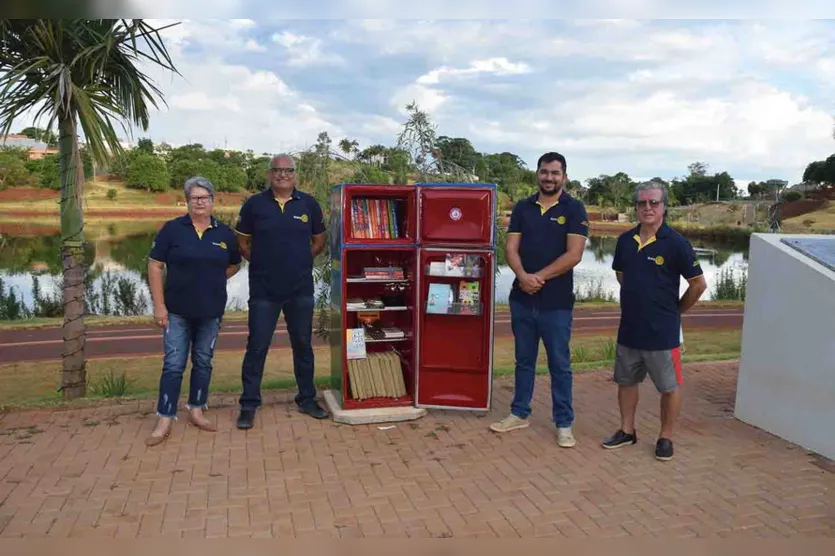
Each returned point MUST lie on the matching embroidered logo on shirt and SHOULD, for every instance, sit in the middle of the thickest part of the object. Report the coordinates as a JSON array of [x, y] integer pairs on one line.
[[659, 260], [585, 223], [221, 244], [696, 263], [303, 217], [559, 219]]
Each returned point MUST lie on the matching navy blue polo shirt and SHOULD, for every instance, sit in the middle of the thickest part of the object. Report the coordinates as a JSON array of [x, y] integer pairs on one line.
[[649, 293], [281, 258], [195, 281], [544, 238]]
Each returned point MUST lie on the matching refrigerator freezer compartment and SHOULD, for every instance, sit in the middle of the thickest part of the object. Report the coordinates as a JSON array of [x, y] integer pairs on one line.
[[456, 216]]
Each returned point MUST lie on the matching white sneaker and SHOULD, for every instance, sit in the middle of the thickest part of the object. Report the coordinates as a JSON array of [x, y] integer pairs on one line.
[[565, 438], [509, 423]]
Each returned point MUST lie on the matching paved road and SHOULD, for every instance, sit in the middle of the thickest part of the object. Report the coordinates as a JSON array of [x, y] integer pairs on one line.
[[138, 340]]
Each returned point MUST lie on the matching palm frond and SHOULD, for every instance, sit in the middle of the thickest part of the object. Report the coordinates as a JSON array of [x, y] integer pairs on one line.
[[84, 69]]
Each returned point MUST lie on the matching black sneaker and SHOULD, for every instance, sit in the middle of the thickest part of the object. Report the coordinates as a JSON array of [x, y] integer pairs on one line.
[[664, 449], [620, 439], [313, 409], [245, 419]]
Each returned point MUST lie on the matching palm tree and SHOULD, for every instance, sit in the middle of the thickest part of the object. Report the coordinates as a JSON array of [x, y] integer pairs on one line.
[[78, 71]]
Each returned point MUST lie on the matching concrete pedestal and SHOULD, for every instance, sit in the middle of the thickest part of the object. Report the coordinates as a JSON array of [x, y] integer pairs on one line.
[[368, 416], [786, 380]]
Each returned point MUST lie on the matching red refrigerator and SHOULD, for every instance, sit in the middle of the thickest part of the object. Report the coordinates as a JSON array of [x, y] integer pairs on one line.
[[456, 252]]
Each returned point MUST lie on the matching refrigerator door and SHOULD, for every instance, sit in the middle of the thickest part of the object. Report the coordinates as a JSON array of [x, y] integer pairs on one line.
[[456, 215], [455, 336]]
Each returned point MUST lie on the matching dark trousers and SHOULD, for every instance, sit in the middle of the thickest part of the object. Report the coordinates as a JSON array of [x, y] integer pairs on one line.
[[263, 316]]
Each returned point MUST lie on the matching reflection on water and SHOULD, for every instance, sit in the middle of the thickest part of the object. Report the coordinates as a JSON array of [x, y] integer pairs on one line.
[[23, 257]]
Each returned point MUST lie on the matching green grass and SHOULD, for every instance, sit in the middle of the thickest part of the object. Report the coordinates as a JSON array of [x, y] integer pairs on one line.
[[35, 383]]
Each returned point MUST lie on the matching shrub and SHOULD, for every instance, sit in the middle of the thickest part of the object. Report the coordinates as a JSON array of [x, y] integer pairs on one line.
[[12, 171], [729, 286], [111, 194], [112, 386], [183, 169], [793, 195], [50, 174], [232, 178], [147, 171]]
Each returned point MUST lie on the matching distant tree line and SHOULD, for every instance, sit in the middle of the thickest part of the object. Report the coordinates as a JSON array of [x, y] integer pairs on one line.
[[161, 167]]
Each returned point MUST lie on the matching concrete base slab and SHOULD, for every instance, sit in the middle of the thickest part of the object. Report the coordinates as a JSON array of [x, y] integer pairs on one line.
[[368, 416]]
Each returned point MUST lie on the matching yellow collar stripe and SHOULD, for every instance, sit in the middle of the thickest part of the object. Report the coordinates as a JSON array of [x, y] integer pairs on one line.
[[637, 239]]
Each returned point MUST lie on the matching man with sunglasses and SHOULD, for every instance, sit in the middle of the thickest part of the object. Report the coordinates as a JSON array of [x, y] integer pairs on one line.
[[281, 231], [649, 262]]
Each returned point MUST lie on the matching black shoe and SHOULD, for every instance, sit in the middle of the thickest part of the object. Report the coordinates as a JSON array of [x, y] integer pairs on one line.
[[245, 418], [313, 409], [620, 439], [664, 449]]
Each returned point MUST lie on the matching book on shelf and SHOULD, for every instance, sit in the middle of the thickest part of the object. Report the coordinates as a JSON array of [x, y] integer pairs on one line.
[[468, 296], [355, 343], [461, 265], [457, 265], [440, 298], [383, 273], [374, 218], [380, 375], [379, 333]]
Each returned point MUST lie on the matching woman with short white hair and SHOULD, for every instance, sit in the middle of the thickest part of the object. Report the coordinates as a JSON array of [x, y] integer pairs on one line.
[[198, 254]]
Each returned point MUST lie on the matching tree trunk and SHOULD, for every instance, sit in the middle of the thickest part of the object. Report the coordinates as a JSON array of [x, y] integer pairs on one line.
[[74, 372]]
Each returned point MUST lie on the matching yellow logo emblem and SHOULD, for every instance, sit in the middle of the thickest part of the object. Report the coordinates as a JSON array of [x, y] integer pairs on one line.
[[221, 244], [561, 220], [303, 218], [659, 260]]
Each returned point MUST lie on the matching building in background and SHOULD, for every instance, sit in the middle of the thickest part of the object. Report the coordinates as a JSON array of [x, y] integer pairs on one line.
[[37, 149]]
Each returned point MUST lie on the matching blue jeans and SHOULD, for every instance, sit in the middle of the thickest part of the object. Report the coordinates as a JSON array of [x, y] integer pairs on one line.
[[529, 324], [183, 333], [263, 316]]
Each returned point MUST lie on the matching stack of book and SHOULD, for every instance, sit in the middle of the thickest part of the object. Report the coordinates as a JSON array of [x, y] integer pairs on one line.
[[380, 375], [374, 219], [357, 304], [383, 273], [384, 333]]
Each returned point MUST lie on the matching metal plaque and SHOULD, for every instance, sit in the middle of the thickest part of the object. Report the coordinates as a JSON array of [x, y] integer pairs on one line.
[[821, 250]]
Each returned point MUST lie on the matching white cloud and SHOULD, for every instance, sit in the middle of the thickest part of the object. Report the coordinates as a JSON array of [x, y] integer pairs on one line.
[[428, 98], [496, 66], [199, 100], [643, 97], [304, 51], [263, 81], [242, 23], [253, 46]]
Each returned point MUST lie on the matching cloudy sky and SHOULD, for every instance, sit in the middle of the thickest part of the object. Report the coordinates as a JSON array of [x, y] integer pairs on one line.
[[644, 97]]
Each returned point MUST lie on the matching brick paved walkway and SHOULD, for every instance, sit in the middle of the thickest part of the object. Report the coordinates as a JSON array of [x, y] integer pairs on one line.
[[87, 473]]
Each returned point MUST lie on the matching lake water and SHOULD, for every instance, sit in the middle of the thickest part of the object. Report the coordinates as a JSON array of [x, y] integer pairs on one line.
[[24, 258]]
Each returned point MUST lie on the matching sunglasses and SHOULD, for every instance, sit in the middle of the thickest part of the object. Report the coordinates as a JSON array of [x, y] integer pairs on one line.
[[648, 203]]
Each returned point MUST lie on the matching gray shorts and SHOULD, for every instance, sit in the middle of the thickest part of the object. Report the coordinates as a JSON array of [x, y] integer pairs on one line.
[[663, 367]]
